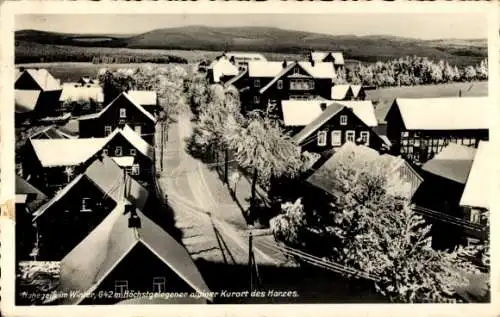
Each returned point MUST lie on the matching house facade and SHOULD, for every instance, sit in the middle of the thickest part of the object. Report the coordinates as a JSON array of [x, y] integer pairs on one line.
[[270, 82], [418, 138], [66, 219], [336, 125], [121, 111], [132, 254]]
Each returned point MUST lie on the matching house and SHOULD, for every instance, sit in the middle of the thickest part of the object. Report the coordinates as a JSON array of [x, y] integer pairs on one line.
[[122, 110], [270, 82], [334, 125], [241, 59], [34, 104], [87, 81], [342, 92], [131, 152], [419, 137], [80, 100], [130, 254], [321, 183], [221, 70], [67, 218], [74, 155], [51, 132], [28, 199], [336, 58], [36, 79], [475, 197], [147, 99], [445, 177], [71, 128], [358, 92]]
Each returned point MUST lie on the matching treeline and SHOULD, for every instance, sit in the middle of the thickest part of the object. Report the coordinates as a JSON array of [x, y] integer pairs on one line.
[[28, 52], [411, 71]]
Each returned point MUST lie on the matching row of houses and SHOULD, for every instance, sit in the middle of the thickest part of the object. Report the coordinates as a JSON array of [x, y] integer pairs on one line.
[[86, 200], [38, 94], [323, 117]]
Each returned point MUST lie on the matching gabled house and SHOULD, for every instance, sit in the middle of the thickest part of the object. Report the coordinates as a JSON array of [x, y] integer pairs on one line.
[[358, 92], [87, 81], [342, 92], [270, 82], [28, 199], [122, 110], [336, 58], [67, 218], [130, 254], [221, 70], [241, 59], [320, 183], [148, 99], [462, 120], [37, 94], [75, 155], [335, 124], [51, 132], [81, 100], [475, 197], [36, 79]]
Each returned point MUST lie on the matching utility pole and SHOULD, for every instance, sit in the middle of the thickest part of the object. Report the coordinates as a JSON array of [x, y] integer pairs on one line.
[[162, 144], [250, 258]]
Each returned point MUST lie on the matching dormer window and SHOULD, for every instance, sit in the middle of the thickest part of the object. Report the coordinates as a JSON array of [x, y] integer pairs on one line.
[[123, 113], [343, 120]]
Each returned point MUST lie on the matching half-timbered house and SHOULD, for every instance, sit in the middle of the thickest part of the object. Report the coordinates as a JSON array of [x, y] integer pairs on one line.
[[421, 128]]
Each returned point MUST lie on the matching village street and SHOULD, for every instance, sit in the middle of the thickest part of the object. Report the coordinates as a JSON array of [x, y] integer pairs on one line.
[[212, 224]]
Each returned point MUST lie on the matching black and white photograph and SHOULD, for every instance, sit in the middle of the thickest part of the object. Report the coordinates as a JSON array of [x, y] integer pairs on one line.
[[251, 158]]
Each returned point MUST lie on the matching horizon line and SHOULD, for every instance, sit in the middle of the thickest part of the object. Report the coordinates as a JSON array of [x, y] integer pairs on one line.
[[247, 26]]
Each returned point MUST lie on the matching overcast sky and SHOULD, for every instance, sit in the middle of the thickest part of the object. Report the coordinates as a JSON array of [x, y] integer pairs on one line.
[[425, 26]]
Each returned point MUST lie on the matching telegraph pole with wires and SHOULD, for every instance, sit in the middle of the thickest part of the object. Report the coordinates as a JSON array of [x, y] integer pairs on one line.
[[250, 262]]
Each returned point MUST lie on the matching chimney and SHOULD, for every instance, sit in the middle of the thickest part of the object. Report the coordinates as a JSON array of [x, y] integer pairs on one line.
[[323, 106], [133, 221], [284, 64], [312, 61], [231, 60]]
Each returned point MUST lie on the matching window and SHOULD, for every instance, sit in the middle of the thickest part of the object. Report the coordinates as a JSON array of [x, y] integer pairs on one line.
[[256, 99], [135, 169], [321, 138], [85, 205], [256, 83], [107, 130], [123, 113], [138, 129], [365, 137], [280, 84], [404, 134], [475, 216], [133, 152], [296, 70], [159, 284], [336, 138], [301, 84], [118, 151], [343, 119], [121, 286], [349, 136]]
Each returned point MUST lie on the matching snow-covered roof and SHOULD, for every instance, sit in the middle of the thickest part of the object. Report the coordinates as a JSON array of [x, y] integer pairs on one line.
[[72, 92], [26, 100], [143, 97], [123, 161], [320, 56], [44, 79], [451, 113], [246, 56], [476, 192], [339, 92], [303, 112], [223, 67], [122, 95]]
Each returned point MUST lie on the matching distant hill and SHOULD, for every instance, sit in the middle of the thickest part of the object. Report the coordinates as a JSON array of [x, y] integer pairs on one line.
[[272, 40]]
